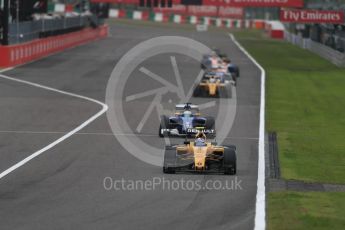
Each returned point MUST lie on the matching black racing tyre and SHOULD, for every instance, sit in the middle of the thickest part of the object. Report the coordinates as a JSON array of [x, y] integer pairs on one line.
[[234, 78], [203, 92], [169, 160], [210, 123], [197, 91], [238, 72], [160, 131], [229, 161], [163, 125]]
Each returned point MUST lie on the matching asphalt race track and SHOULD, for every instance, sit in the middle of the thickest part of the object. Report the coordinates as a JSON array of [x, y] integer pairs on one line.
[[64, 187]]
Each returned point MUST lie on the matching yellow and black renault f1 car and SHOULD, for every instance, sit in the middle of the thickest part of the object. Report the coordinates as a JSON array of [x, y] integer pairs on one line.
[[213, 85], [200, 156]]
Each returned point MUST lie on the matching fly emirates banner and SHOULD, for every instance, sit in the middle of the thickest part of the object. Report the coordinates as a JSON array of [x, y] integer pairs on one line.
[[312, 16]]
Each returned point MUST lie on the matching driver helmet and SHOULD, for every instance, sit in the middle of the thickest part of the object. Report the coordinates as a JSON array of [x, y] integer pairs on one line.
[[212, 80], [200, 141], [187, 113]]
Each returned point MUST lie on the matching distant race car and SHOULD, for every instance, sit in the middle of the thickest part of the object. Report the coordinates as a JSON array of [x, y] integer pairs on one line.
[[214, 84], [212, 61], [200, 156], [185, 121]]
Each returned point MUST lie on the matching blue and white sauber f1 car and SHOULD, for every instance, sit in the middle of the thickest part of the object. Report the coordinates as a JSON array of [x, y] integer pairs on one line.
[[186, 121]]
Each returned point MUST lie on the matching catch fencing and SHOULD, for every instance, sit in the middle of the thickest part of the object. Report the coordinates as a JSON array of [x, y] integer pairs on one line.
[[30, 30], [326, 52]]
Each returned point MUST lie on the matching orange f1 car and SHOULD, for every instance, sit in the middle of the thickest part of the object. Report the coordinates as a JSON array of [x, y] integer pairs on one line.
[[213, 86], [200, 156]]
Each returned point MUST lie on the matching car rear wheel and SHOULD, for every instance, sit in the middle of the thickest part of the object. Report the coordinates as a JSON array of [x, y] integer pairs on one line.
[[197, 91], [160, 131], [163, 125], [210, 123], [234, 78], [169, 160], [229, 161]]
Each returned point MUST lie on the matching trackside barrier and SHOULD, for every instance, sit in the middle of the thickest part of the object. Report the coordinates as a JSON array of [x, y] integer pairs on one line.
[[275, 29], [334, 56], [186, 19], [30, 30], [22, 53]]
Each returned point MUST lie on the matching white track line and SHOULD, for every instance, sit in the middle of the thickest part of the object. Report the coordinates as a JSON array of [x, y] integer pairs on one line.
[[64, 137], [260, 209], [106, 134]]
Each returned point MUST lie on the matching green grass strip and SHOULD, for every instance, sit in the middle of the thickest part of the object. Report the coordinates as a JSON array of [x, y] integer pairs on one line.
[[305, 104], [311, 210]]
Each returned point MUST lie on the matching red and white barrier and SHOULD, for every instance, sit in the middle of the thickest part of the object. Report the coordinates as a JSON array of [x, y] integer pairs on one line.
[[22, 53], [275, 29]]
